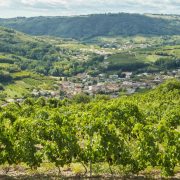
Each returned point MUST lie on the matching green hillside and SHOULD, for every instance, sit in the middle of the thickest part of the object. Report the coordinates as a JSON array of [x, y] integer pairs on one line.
[[148, 59], [25, 51], [28, 62], [68, 57], [43, 55], [95, 95], [138, 134], [23, 57], [96, 25]]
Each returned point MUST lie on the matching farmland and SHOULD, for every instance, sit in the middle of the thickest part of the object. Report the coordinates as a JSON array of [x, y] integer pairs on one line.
[[126, 136], [82, 102]]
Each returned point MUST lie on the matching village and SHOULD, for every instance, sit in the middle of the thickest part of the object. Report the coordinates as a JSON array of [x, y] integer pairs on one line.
[[111, 85]]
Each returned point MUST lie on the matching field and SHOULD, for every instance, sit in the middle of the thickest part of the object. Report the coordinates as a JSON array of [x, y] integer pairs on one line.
[[148, 56], [23, 84]]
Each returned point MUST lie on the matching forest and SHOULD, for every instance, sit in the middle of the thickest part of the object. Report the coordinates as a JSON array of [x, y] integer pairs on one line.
[[84, 27]]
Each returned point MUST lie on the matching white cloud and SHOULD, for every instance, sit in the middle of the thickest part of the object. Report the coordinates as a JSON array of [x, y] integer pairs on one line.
[[50, 2], [5, 3], [73, 7]]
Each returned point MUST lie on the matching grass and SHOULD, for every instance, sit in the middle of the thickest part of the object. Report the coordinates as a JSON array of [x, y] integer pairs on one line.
[[8, 67], [122, 58], [25, 85], [17, 89], [147, 55], [152, 58]]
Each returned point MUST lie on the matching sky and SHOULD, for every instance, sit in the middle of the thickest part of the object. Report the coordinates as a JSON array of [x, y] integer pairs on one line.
[[28, 8]]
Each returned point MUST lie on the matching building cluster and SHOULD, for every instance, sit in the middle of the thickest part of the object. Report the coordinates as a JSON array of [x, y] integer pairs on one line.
[[113, 84]]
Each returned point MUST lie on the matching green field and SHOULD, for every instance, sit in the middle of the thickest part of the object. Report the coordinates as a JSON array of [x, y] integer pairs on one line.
[[148, 55]]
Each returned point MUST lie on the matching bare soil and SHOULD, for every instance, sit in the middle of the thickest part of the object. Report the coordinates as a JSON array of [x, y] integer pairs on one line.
[[21, 173]]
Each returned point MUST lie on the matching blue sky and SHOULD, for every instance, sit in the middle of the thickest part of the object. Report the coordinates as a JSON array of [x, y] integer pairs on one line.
[[14, 8]]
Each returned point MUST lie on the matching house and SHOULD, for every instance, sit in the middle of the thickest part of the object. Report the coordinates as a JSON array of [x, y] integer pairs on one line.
[[102, 75], [157, 79], [114, 76], [35, 92], [127, 74], [127, 83], [94, 88], [10, 100], [113, 87], [77, 90], [131, 90]]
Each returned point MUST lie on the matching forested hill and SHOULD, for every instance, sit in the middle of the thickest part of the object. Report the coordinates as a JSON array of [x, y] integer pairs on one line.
[[96, 25]]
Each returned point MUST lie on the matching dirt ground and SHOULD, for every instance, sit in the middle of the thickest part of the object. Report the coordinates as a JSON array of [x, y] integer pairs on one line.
[[21, 173]]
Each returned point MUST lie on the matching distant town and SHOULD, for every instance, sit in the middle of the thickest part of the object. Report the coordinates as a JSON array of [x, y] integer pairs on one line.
[[111, 85]]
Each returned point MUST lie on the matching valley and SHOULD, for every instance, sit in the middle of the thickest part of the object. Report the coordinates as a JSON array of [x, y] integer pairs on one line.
[[33, 66], [93, 96]]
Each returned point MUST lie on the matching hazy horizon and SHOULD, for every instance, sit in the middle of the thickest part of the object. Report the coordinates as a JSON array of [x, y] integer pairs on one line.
[[32, 8]]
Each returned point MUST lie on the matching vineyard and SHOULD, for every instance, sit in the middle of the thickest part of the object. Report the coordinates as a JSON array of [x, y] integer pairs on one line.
[[130, 132]]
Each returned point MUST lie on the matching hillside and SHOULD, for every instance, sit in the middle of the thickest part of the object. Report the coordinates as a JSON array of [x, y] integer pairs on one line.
[[28, 62], [42, 54], [96, 25], [90, 96], [136, 134], [39, 65], [25, 51], [22, 61]]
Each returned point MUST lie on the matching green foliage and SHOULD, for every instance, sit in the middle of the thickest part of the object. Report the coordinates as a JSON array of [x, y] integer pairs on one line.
[[81, 98], [133, 132], [95, 25], [5, 76], [23, 53]]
